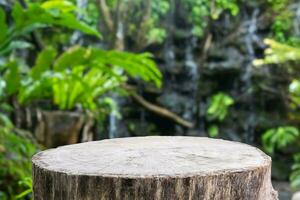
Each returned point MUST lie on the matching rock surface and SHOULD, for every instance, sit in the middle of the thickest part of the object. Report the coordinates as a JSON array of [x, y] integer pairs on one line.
[[153, 168]]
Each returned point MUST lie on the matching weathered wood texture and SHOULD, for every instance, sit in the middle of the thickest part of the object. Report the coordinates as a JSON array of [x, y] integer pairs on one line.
[[51, 132], [154, 168]]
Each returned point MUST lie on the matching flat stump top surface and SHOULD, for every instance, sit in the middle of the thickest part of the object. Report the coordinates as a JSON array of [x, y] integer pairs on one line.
[[152, 156]]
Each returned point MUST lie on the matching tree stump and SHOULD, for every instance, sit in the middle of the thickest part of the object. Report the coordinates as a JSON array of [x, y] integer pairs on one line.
[[154, 168]]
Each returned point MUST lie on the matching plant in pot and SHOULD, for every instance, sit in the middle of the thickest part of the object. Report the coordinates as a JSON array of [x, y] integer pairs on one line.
[[18, 31], [71, 90], [68, 91]]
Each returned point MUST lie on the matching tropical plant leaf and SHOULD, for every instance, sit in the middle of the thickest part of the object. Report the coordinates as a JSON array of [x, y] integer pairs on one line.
[[65, 6], [278, 53], [18, 44], [44, 62], [3, 26], [295, 175], [12, 78], [213, 131], [219, 105], [74, 56], [279, 138], [82, 75], [50, 13]]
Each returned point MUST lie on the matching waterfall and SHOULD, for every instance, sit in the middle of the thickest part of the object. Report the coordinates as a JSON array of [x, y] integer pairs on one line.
[[169, 55], [114, 121], [250, 38], [190, 62], [115, 129], [192, 71], [169, 52], [112, 133]]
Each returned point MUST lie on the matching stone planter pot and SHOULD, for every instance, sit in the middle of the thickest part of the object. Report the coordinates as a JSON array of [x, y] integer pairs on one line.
[[56, 128]]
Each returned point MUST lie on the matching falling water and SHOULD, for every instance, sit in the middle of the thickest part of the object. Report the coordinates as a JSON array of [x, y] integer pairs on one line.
[[112, 133], [190, 62], [114, 123], [168, 51], [192, 72], [169, 55], [115, 129], [251, 38]]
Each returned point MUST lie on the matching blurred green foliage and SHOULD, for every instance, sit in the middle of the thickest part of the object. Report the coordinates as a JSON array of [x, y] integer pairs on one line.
[[217, 111], [15, 155], [203, 11], [295, 175], [283, 18], [79, 76], [279, 138], [83, 77], [156, 32], [71, 78], [213, 131], [278, 53], [37, 16], [283, 49], [219, 105], [149, 21]]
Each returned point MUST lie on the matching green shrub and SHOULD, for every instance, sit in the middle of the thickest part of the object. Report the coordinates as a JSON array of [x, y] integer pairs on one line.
[[15, 161]]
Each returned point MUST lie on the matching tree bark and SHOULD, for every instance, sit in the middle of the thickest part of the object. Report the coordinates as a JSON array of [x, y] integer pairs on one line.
[[154, 168]]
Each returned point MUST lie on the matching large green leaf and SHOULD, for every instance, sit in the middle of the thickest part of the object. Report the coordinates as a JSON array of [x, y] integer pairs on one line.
[[68, 20], [279, 138], [278, 53], [19, 16], [12, 78], [44, 62], [81, 75], [17, 44], [72, 57], [32, 90], [3, 26], [135, 65], [58, 13], [219, 105], [65, 6]]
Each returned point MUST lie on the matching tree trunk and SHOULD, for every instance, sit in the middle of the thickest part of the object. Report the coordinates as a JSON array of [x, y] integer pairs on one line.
[[156, 168]]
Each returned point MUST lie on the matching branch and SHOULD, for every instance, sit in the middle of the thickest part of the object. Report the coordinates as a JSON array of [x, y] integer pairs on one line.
[[159, 110], [275, 92], [206, 46], [104, 10], [142, 26], [117, 41]]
